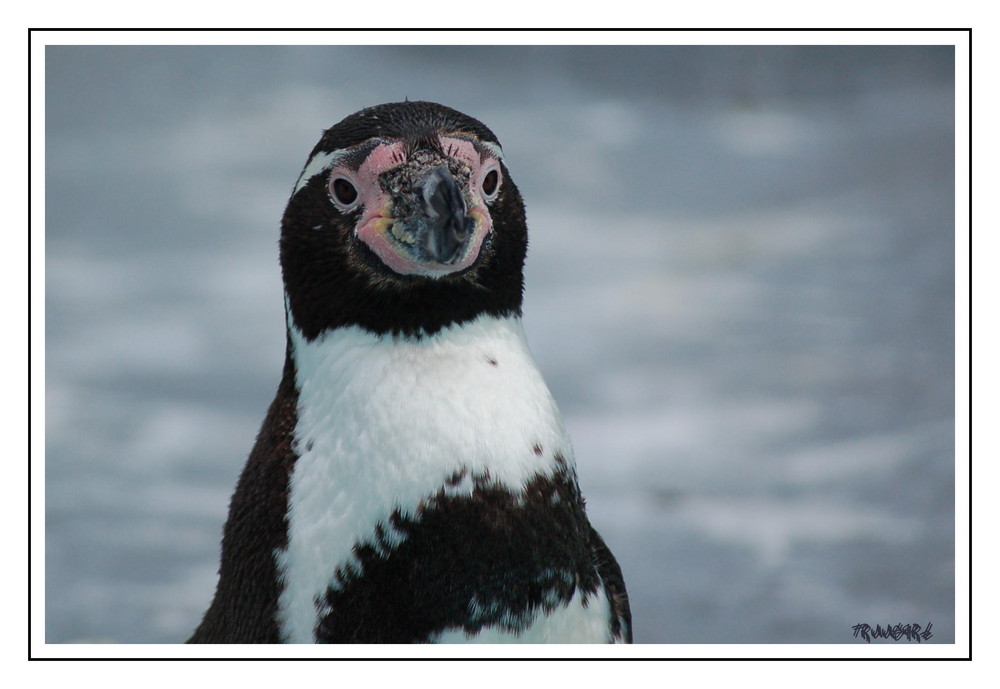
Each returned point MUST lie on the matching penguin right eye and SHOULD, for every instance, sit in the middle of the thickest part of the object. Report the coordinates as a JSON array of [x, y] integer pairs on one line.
[[343, 192]]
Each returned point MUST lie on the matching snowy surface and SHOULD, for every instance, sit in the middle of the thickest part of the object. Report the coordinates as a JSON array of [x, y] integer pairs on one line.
[[740, 289]]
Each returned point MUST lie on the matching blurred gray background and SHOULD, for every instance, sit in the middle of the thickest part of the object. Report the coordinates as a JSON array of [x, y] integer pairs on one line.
[[740, 288]]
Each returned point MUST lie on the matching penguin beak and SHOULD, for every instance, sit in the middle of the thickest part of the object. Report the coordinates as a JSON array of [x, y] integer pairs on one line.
[[442, 230], [425, 216]]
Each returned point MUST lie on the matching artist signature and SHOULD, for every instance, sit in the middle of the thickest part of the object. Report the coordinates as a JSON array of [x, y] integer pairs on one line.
[[910, 632]]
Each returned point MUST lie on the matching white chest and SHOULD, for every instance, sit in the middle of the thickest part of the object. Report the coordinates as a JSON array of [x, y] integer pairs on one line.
[[383, 423]]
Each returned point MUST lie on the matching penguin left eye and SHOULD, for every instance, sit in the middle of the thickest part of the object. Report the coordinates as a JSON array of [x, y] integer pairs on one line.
[[491, 183], [343, 192]]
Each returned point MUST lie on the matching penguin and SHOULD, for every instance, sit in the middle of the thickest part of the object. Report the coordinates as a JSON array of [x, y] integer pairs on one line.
[[413, 481]]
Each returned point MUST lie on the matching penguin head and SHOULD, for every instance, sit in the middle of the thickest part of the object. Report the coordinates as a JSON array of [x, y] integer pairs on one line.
[[404, 220]]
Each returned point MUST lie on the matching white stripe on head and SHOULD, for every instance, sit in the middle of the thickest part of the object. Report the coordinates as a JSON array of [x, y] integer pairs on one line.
[[316, 165], [493, 148]]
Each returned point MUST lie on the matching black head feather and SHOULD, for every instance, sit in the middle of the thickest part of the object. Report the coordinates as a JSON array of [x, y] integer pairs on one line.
[[403, 121]]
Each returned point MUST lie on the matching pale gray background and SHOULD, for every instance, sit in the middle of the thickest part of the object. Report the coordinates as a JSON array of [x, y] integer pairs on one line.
[[740, 288]]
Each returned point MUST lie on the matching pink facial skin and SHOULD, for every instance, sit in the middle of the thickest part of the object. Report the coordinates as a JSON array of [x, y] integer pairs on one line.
[[374, 228]]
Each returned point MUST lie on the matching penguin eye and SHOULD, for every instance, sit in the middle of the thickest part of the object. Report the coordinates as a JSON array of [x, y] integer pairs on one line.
[[491, 183], [343, 192]]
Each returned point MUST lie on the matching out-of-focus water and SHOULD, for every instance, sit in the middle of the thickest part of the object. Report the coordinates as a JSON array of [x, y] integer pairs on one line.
[[740, 288]]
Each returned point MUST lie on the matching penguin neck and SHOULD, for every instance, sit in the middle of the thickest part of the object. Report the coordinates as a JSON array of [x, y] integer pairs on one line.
[[469, 397]]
